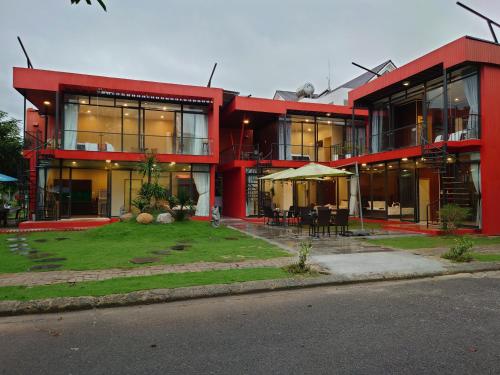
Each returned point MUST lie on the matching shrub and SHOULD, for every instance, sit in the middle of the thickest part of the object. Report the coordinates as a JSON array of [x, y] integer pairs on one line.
[[460, 251], [452, 216], [301, 267], [140, 203], [185, 206]]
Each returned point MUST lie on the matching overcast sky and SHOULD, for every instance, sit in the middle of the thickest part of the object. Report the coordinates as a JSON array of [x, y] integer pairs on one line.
[[260, 45]]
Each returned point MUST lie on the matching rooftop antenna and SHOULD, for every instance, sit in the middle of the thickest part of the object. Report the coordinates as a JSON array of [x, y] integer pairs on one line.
[[329, 78], [368, 70], [209, 84], [28, 61], [488, 20]]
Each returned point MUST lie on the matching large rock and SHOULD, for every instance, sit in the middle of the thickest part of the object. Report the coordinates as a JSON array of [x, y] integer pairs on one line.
[[127, 217], [145, 218], [165, 218]]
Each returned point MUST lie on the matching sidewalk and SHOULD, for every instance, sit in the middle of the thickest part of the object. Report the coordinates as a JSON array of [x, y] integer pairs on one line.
[[57, 277]]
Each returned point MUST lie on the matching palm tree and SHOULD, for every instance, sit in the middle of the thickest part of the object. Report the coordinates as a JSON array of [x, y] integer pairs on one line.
[[148, 166], [101, 3]]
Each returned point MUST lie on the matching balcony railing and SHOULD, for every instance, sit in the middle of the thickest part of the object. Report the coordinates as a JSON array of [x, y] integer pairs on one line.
[[240, 152], [459, 129], [122, 142]]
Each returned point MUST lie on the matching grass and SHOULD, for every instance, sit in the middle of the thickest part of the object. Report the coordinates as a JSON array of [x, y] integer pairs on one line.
[[356, 225], [424, 242], [130, 284], [114, 245], [486, 257]]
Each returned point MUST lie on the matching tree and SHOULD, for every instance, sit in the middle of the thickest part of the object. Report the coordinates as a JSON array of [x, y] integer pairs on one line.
[[10, 145], [101, 3], [148, 167]]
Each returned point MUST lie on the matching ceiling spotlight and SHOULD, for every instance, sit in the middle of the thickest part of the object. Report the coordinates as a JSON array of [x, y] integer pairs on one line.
[[108, 161], [162, 116], [73, 162], [449, 159], [164, 108], [172, 163], [307, 120], [83, 102], [457, 99], [309, 130], [125, 104], [246, 121], [126, 114], [363, 165], [116, 164], [328, 114], [390, 166], [404, 159], [89, 111], [406, 83], [46, 102], [154, 165]]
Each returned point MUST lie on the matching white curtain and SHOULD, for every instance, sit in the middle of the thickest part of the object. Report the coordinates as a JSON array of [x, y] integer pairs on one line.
[[284, 140], [70, 126], [471, 93], [375, 134], [195, 134], [475, 172], [202, 182], [353, 196]]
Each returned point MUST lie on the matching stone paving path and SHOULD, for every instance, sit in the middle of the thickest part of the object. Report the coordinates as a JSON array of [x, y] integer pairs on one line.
[[58, 277]]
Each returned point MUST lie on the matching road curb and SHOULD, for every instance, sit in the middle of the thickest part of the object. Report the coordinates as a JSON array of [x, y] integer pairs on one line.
[[62, 304]]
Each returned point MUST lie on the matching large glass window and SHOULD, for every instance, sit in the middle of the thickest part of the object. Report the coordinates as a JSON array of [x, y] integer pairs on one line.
[[109, 124]]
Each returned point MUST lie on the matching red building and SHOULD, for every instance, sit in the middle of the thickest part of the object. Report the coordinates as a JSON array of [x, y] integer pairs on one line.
[[421, 136]]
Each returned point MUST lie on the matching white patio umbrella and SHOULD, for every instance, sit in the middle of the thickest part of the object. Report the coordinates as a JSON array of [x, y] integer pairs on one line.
[[312, 170], [274, 175]]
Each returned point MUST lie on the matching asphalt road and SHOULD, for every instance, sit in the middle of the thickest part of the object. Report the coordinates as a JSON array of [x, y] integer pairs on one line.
[[448, 325]]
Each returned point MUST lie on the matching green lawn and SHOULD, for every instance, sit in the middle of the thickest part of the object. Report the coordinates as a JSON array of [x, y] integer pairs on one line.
[[114, 245], [130, 284], [421, 242]]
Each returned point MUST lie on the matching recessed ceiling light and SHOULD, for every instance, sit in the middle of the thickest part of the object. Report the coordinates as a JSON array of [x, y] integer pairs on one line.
[[363, 165], [390, 166], [328, 114], [404, 159], [406, 83], [73, 162], [89, 111], [164, 108], [309, 130], [457, 99], [154, 165], [307, 120], [449, 159], [83, 102], [108, 161], [46, 102], [125, 104], [172, 163], [162, 116], [116, 164], [126, 114], [246, 121]]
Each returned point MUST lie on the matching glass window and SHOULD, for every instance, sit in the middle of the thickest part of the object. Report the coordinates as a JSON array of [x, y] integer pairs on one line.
[[463, 108], [127, 103], [159, 128]]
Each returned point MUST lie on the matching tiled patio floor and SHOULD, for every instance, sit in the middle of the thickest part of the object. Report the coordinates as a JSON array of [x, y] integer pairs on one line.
[[289, 237]]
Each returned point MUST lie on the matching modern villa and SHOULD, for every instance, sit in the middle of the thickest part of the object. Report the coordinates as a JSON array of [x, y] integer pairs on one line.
[[419, 136]]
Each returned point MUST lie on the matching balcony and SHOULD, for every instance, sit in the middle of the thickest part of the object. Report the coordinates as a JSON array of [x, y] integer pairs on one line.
[[459, 129], [123, 142]]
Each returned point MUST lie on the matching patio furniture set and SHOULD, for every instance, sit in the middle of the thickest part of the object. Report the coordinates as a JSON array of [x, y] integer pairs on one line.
[[319, 218]]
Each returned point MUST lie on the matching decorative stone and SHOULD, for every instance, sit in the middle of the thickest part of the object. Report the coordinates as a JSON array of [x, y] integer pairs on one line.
[[145, 218], [144, 260], [127, 216], [135, 211], [50, 260], [179, 247], [165, 218], [161, 252], [41, 267], [39, 255]]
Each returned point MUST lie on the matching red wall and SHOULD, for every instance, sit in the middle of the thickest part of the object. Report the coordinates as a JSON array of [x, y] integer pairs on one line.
[[233, 192], [490, 135]]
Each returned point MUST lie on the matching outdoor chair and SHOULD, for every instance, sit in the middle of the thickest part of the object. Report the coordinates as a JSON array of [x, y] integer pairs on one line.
[[341, 219], [306, 218], [268, 215], [292, 216], [324, 220]]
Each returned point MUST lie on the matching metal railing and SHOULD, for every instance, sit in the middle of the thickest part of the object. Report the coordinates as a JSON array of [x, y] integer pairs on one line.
[[125, 142], [240, 152]]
